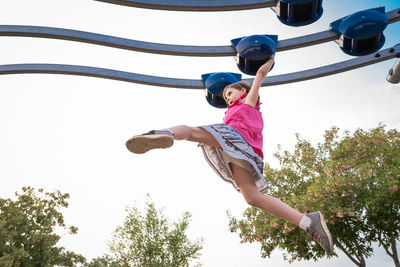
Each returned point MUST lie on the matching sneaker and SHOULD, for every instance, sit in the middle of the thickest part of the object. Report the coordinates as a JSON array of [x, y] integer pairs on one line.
[[140, 144], [319, 231]]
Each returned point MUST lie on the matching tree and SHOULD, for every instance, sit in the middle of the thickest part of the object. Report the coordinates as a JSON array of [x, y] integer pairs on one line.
[[27, 230], [104, 261], [354, 181], [149, 240]]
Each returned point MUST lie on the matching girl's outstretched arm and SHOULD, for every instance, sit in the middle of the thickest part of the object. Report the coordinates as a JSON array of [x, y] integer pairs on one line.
[[262, 72]]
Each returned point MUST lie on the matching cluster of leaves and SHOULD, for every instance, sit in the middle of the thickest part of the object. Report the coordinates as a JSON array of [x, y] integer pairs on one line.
[[28, 238], [27, 230], [150, 240], [354, 181], [103, 261]]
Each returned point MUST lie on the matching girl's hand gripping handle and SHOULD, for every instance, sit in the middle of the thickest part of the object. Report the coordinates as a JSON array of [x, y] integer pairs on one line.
[[262, 72]]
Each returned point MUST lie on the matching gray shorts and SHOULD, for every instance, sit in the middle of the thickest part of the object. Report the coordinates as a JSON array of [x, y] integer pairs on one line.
[[234, 149]]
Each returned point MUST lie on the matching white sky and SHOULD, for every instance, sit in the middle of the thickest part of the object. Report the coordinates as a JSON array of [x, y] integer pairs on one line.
[[68, 132]]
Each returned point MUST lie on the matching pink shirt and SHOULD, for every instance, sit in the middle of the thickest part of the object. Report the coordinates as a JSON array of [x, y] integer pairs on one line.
[[248, 121]]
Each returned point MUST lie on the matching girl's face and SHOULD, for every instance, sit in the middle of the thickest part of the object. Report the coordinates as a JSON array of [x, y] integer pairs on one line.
[[231, 94]]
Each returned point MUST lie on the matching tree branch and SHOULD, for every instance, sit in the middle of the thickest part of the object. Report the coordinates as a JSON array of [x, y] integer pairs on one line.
[[385, 247], [388, 252], [395, 255], [362, 261], [337, 243]]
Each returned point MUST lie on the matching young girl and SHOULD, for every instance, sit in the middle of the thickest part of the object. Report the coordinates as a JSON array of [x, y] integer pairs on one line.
[[234, 150]]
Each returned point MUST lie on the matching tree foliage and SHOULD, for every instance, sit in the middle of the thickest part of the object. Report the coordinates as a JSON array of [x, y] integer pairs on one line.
[[27, 227], [103, 261], [149, 240], [354, 181]]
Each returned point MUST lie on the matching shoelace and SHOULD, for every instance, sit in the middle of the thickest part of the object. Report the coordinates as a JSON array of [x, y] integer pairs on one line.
[[316, 237]]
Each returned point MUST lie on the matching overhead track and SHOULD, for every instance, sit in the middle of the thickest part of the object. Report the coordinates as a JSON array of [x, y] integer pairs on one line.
[[195, 5], [339, 67], [168, 49]]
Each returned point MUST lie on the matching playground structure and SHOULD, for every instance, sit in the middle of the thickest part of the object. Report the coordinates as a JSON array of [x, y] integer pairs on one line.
[[364, 44], [394, 73]]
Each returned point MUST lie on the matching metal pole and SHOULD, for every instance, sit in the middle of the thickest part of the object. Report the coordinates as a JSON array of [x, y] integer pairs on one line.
[[394, 73], [167, 49], [198, 84], [195, 5]]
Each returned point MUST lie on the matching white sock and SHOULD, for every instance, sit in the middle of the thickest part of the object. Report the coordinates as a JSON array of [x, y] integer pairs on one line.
[[168, 130], [305, 222]]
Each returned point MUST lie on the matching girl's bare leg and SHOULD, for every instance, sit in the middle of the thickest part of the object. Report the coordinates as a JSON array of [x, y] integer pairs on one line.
[[253, 197], [316, 228], [142, 143], [243, 177], [313, 223], [194, 134]]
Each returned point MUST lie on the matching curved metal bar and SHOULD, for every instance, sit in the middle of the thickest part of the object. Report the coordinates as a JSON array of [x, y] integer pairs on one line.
[[307, 40], [393, 15], [101, 73], [112, 41], [327, 70], [167, 49], [198, 84], [195, 5]]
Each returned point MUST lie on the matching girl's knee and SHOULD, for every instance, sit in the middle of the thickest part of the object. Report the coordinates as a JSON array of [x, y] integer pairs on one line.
[[201, 135], [181, 132], [252, 199]]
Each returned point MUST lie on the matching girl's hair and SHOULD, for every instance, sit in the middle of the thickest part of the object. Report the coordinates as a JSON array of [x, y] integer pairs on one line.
[[238, 86]]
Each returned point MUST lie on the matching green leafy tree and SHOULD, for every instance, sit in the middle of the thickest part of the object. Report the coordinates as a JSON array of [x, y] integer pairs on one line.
[[27, 227], [104, 261], [354, 181], [149, 240]]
